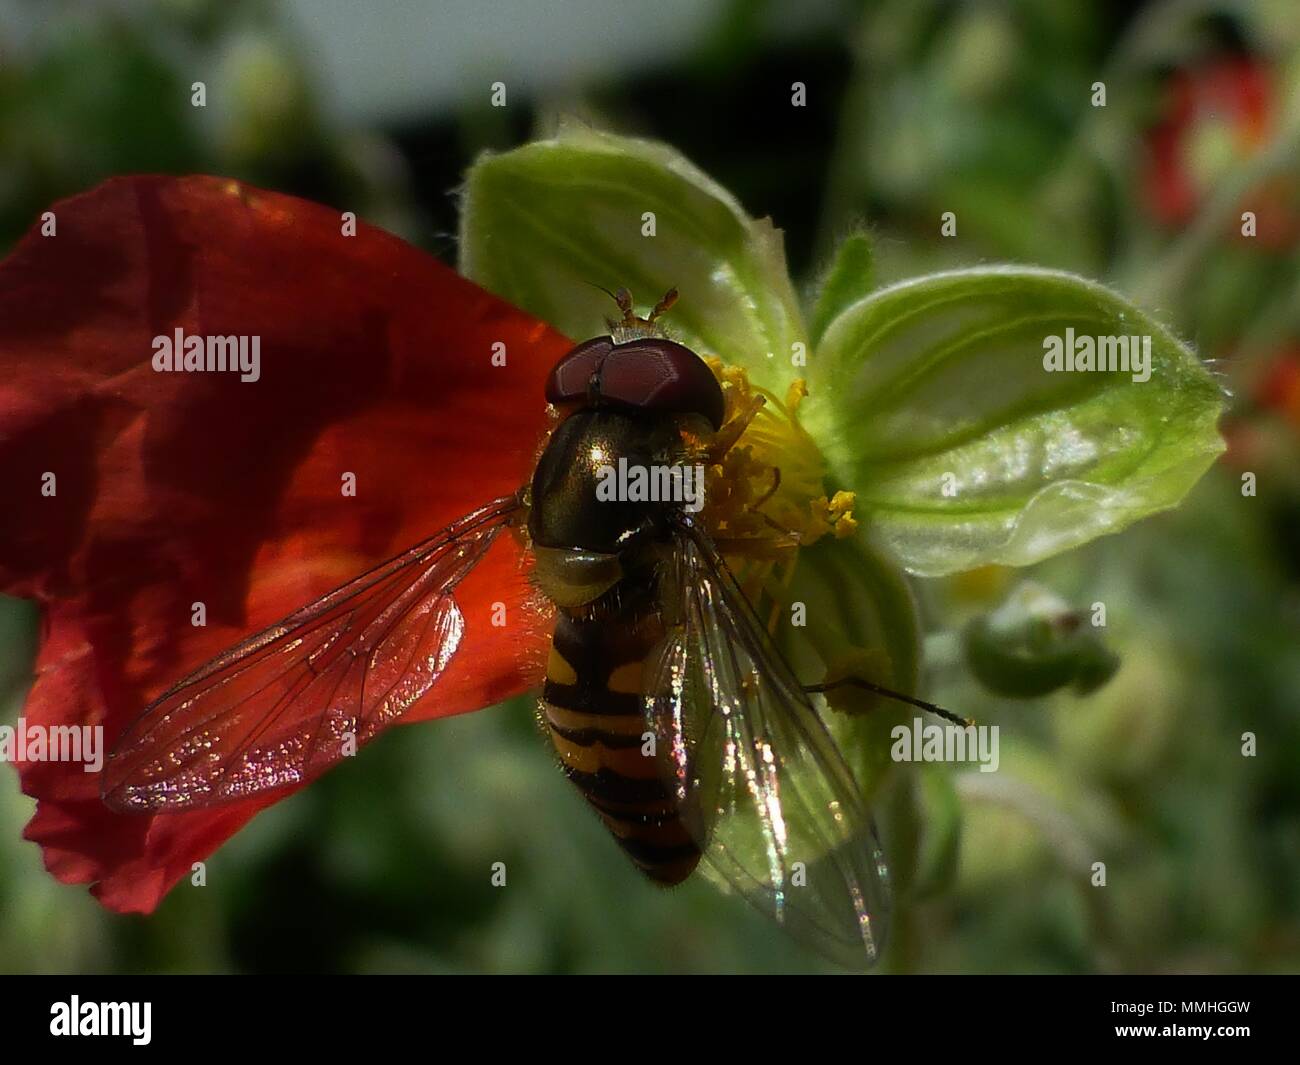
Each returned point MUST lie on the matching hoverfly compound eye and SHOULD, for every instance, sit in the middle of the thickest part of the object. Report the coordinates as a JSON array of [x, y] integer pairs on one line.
[[570, 380], [648, 373], [661, 375]]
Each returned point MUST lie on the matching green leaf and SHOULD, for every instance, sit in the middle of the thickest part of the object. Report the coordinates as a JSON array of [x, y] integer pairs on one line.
[[847, 281], [860, 618], [542, 224], [930, 400]]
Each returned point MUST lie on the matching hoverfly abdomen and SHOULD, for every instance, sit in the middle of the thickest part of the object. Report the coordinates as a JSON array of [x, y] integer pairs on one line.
[[594, 710]]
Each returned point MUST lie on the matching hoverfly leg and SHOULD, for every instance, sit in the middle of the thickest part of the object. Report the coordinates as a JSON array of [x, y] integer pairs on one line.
[[726, 437], [759, 548], [880, 689], [776, 483]]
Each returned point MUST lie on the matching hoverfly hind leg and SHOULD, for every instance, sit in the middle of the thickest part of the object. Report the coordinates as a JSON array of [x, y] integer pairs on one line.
[[880, 689]]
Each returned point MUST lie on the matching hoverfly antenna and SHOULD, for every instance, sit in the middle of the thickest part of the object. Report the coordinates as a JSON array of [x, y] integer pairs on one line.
[[623, 298], [600, 288], [664, 305]]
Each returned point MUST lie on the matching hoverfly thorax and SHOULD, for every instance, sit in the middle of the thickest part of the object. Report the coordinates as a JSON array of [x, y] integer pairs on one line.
[[623, 461]]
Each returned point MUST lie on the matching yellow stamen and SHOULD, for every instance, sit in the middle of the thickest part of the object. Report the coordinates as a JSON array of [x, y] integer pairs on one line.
[[764, 480]]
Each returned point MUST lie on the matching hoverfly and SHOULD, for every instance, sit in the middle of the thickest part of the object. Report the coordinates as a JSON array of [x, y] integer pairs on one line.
[[667, 701]]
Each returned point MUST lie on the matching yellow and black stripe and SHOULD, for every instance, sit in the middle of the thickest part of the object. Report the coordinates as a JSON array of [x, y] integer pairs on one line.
[[593, 708]]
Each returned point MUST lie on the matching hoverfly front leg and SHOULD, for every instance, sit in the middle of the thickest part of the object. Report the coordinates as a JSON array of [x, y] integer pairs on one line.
[[726, 437]]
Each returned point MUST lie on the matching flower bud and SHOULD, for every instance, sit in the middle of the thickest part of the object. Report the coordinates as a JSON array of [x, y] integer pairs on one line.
[[1034, 644]]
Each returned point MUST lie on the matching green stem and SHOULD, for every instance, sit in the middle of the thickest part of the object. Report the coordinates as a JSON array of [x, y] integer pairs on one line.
[[903, 815]]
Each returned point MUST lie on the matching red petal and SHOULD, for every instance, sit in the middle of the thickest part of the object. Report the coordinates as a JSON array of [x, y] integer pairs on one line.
[[176, 488]]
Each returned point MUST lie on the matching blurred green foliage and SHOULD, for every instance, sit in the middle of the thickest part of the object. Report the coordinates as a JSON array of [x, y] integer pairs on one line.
[[918, 107]]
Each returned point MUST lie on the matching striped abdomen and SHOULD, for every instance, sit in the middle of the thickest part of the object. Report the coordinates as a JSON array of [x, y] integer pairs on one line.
[[592, 706]]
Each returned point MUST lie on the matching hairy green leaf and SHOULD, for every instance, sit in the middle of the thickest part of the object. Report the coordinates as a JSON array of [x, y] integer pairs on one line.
[[544, 224], [848, 280], [931, 400]]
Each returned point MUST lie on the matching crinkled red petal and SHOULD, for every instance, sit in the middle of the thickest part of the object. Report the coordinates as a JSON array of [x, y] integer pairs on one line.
[[174, 488]]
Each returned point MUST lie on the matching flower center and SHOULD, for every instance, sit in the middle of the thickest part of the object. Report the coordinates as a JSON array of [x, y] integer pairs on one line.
[[764, 494]]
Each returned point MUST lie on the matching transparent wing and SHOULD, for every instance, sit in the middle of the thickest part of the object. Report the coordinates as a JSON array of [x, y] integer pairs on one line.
[[286, 704], [759, 781]]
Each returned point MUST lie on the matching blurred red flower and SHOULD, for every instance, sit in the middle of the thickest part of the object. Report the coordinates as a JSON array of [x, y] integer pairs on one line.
[[1278, 388], [1213, 116], [178, 488]]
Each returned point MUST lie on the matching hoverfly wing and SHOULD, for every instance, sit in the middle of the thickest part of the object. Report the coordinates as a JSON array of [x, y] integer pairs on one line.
[[287, 703], [758, 779]]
